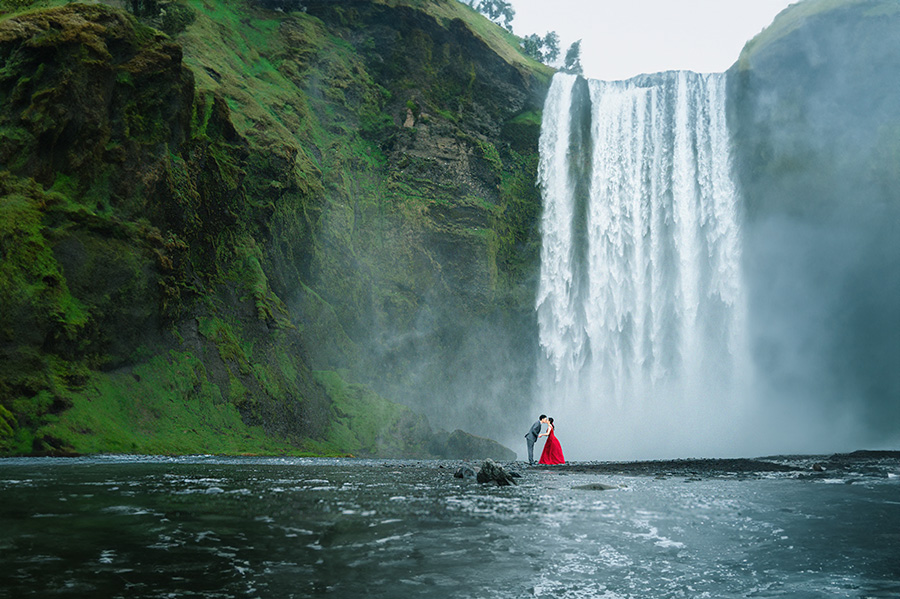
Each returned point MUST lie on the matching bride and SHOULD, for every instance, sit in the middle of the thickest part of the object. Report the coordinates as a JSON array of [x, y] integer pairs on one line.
[[552, 453]]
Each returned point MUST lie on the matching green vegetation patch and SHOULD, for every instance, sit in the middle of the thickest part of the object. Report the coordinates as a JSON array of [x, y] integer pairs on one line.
[[165, 406], [33, 290], [366, 424]]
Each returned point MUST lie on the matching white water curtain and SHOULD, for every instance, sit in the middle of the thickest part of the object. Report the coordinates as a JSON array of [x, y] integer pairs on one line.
[[659, 328]]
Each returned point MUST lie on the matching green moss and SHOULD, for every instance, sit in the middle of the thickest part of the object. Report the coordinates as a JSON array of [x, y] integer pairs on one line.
[[247, 270], [33, 289], [176, 17], [364, 423], [489, 152], [531, 117], [277, 182], [225, 340], [516, 221], [167, 406], [7, 430], [238, 393], [29, 413]]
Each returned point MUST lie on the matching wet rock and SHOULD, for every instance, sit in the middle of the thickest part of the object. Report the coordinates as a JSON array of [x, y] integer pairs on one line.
[[464, 472], [596, 487], [818, 467], [492, 473]]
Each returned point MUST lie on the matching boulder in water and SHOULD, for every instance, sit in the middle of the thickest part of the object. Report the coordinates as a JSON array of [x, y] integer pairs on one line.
[[492, 473], [596, 487], [464, 472]]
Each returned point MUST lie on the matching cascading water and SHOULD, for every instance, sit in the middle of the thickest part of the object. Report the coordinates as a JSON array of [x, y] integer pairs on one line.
[[640, 303]]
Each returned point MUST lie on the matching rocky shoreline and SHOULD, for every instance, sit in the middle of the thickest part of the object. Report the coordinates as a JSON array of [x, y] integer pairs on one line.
[[858, 462]]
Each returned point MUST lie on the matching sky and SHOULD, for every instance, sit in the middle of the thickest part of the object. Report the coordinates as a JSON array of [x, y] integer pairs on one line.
[[624, 38]]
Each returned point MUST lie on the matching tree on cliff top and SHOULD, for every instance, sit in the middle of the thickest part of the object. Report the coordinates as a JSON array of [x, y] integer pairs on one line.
[[498, 11], [551, 45], [572, 63], [544, 49]]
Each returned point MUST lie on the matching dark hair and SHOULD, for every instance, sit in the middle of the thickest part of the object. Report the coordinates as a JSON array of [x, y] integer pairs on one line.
[[550, 420], [542, 416]]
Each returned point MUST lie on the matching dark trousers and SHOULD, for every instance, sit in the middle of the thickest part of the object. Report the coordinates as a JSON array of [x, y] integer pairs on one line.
[[530, 442]]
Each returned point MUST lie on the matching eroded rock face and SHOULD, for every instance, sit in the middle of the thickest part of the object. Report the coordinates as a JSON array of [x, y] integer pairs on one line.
[[121, 203], [85, 89], [813, 111], [91, 105], [439, 278]]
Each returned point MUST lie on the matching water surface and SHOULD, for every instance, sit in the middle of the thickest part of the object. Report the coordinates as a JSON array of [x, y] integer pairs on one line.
[[269, 527]]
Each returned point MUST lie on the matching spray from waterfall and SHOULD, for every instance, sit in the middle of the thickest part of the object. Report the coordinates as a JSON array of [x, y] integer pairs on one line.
[[640, 305]]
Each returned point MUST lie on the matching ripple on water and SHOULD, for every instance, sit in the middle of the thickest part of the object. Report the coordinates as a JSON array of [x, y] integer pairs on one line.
[[612, 558], [561, 589]]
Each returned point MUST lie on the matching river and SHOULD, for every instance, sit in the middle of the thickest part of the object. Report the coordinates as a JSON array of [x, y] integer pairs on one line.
[[205, 526]]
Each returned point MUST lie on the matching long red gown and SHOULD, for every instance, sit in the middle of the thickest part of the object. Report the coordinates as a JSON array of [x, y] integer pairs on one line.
[[552, 453]]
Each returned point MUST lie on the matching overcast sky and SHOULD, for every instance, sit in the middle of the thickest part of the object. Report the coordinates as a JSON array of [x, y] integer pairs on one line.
[[624, 38]]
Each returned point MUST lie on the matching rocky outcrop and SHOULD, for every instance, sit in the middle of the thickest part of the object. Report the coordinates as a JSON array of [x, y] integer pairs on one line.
[[124, 206], [464, 446], [813, 112], [443, 264]]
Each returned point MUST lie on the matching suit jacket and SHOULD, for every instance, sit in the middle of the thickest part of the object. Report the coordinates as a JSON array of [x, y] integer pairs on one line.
[[534, 432]]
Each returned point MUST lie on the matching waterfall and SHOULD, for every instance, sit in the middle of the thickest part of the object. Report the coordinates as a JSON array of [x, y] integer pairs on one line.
[[640, 303]]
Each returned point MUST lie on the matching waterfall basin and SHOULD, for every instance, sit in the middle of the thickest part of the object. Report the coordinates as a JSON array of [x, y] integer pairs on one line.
[[204, 526]]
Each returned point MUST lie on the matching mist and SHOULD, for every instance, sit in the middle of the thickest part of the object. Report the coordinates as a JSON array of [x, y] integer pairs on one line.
[[463, 371], [815, 125]]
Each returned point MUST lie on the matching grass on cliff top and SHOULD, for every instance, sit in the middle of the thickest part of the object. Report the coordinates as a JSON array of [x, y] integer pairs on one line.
[[504, 43], [12, 8], [793, 17]]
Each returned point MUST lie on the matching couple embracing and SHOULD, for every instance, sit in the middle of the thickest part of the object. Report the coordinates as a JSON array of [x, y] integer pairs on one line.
[[552, 453]]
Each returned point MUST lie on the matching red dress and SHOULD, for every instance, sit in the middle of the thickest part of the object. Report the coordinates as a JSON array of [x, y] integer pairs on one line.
[[552, 453]]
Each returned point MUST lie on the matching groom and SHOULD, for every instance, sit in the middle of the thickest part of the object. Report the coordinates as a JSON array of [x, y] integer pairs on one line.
[[532, 437]]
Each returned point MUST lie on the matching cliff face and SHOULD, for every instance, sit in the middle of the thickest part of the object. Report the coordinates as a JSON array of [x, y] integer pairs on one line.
[[813, 103], [200, 231], [428, 249], [813, 108]]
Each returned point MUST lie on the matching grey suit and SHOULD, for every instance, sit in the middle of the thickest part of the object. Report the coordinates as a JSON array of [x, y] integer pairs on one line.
[[531, 438]]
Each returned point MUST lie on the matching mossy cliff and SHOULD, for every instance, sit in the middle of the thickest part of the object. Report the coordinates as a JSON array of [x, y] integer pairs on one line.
[[241, 236], [816, 122]]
